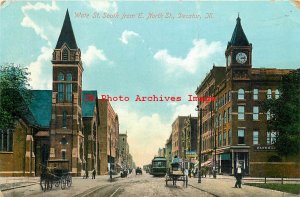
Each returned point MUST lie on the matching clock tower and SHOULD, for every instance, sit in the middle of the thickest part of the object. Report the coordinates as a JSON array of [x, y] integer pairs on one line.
[[239, 52]]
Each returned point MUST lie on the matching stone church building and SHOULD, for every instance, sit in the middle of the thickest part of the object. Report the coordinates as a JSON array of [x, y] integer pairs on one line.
[[61, 124]]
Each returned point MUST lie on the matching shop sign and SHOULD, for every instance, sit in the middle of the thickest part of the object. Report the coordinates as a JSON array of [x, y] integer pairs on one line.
[[264, 148]]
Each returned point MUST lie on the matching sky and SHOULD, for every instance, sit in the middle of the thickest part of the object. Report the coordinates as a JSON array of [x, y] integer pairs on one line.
[[163, 55]]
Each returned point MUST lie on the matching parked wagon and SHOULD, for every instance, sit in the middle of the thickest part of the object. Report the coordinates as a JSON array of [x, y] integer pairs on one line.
[[176, 173], [57, 174]]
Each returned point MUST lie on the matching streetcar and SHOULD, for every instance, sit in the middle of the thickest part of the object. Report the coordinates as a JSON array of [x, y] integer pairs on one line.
[[159, 166]]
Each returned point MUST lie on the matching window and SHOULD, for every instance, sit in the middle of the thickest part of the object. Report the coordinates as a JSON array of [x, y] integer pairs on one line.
[[255, 137], [69, 92], [224, 138], [277, 94], [69, 77], [220, 139], [241, 112], [6, 140], [229, 114], [64, 125], [60, 92], [241, 136], [63, 154], [225, 98], [229, 136], [60, 77], [65, 55], [241, 94], [220, 119], [269, 94], [229, 96], [271, 137], [217, 124], [255, 112], [255, 94], [225, 118]]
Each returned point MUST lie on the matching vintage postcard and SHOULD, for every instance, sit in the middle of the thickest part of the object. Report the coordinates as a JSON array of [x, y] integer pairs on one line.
[[149, 98]]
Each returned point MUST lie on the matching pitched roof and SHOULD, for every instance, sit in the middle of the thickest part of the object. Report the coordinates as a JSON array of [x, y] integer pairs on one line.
[[40, 107], [89, 99], [67, 34], [238, 36]]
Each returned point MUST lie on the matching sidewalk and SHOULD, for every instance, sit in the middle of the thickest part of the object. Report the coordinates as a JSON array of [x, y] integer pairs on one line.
[[224, 186]]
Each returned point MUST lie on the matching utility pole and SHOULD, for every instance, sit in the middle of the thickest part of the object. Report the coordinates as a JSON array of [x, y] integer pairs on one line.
[[110, 172]]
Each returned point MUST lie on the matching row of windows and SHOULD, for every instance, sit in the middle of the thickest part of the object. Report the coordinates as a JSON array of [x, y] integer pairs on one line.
[[61, 77], [255, 114], [6, 140], [271, 137], [223, 119], [241, 94], [223, 100]]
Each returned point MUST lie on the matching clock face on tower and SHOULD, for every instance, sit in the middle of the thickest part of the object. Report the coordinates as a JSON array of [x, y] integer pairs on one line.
[[241, 57]]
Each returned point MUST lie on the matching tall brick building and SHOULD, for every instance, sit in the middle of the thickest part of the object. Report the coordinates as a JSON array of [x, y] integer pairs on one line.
[[108, 138], [235, 124]]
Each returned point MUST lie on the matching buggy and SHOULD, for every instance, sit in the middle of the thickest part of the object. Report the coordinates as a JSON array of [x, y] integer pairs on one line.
[[56, 173], [175, 173]]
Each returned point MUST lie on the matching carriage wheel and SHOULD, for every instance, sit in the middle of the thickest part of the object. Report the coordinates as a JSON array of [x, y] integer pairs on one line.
[[43, 184], [69, 180], [63, 183]]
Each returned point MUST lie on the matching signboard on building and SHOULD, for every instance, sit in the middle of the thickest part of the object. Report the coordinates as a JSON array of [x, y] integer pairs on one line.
[[191, 154], [264, 148]]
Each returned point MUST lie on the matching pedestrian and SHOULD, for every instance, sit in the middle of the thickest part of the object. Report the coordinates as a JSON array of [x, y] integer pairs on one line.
[[238, 176], [94, 174]]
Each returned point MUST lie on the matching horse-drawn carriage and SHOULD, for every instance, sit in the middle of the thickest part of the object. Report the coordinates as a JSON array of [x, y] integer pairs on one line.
[[176, 173], [56, 173]]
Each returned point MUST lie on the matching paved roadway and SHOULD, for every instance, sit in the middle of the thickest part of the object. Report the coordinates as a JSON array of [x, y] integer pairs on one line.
[[133, 185]]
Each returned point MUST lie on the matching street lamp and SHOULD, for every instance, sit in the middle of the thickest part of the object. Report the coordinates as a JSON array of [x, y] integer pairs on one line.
[[200, 141], [110, 172]]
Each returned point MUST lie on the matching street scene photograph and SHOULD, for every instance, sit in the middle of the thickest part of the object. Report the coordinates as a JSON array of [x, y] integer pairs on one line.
[[117, 98]]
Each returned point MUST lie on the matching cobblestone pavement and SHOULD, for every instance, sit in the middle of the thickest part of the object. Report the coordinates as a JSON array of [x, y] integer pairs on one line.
[[140, 185]]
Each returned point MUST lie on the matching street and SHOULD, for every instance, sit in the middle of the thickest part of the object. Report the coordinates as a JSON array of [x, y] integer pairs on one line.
[[143, 185], [133, 185]]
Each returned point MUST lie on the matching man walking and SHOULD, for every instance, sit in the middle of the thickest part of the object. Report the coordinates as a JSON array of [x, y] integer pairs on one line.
[[238, 176], [94, 174]]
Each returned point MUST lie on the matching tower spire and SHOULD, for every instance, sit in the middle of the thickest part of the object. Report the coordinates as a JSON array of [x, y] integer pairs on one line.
[[67, 34], [238, 36]]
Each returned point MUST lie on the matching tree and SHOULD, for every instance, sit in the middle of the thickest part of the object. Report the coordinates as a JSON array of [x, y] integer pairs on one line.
[[14, 94], [285, 115]]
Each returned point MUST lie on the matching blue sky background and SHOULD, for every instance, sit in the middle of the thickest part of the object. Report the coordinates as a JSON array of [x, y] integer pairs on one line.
[[159, 56]]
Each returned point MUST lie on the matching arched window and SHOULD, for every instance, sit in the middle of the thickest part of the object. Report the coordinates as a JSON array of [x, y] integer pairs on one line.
[[269, 94], [69, 77], [60, 77], [241, 94], [277, 94], [65, 55], [64, 125]]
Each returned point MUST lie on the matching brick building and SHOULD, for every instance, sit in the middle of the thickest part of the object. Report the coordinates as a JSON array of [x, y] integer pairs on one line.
[[177, 127], [123, 150], [189, 137], [108, 138], [235, 124]]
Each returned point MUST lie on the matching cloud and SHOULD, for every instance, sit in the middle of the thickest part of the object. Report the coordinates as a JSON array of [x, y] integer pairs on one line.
[[200, 52], [145, 134], [185, 110], [92, 54], [28, 22], [104, 5], [39, 80], [126, 35]]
